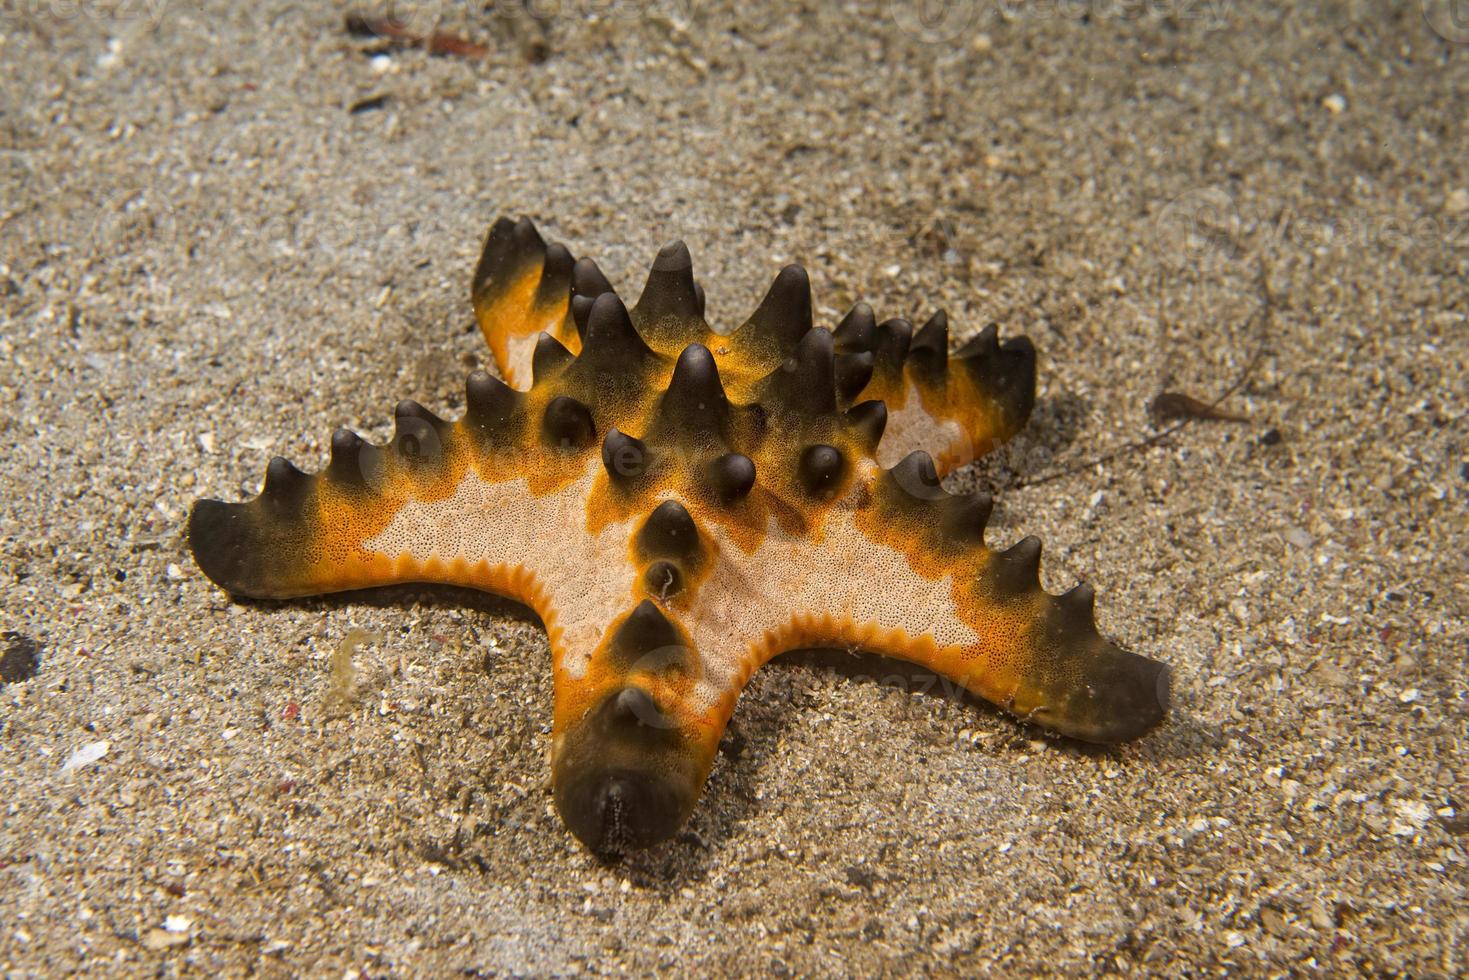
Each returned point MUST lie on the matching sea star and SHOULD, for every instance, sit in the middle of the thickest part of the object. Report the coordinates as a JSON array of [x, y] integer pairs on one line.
[[680, 505]]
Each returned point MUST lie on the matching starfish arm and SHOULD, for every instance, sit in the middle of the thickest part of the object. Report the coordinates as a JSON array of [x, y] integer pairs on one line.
[[960, 406], [523, 286], [900, 568], [344, 528], [893, 564]]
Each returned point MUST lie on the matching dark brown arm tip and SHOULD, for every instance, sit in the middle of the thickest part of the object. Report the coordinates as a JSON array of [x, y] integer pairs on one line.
[[1123, 697]]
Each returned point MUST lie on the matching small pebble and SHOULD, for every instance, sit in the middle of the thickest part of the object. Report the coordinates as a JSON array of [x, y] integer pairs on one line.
[[85, 756], [1410, 816], [160, 939]]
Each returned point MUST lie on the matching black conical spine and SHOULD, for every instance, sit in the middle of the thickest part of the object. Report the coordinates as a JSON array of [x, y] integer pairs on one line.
[[567, 423], [894, 337], [986, 343], [511, 249], [857, 331], [806, 383], [527, 239], [418, 434], [555, 284], [783, 316], [695, 407], [1073, 614], [624, 457], [548, 358], [670, 292], [1005, 371], [868, 420], [820, 469], [916, 476], [411, 415], [853, 371], [1079, 601], [610, 329], [646, 630], [965, 518], [491, 405], [731, 477], [587, 280], [1016, 570], [346, 467], [286, 487], [929, 351], [670, 532], [581, 309]]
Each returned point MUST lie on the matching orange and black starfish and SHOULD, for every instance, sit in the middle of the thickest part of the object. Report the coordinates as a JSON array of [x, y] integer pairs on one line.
[[680, 505]]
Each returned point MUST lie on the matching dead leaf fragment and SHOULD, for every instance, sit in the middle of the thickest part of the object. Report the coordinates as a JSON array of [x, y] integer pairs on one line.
[[1176, 405]]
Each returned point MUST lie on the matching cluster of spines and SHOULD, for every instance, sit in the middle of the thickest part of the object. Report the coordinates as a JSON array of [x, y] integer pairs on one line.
[[494, 413], [669, 539], [955, 524], [806, 404], [669, 315], [418, 444]]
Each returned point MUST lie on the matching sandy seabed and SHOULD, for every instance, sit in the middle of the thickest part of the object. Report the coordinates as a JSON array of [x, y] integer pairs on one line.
[[228, 230]]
